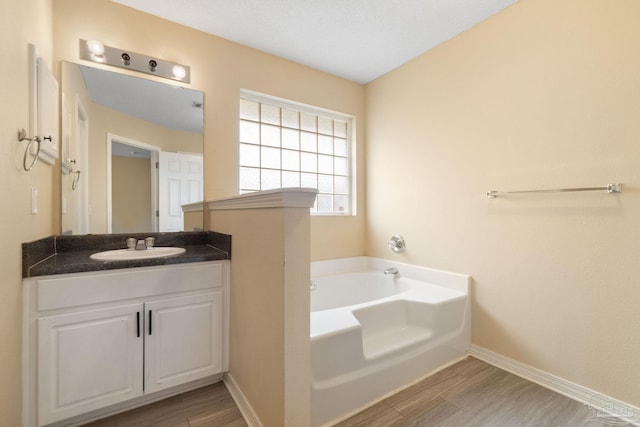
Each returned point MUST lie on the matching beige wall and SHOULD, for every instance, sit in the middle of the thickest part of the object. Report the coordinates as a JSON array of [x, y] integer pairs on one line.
[[17, 225], [269, 318], [221, 68], [193, 220], [131, 200], [542, 95]]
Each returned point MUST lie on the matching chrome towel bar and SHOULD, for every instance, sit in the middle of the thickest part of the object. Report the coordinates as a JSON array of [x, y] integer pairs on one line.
[[609, 188]]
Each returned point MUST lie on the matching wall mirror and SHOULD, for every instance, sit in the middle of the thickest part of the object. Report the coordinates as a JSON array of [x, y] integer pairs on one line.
[[131, 151]]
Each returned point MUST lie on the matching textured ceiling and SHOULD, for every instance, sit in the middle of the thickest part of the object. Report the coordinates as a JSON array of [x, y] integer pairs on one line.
[[358, 40]]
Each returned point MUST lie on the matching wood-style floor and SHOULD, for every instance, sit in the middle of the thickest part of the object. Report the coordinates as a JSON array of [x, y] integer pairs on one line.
[[210, 406], [470, 393]]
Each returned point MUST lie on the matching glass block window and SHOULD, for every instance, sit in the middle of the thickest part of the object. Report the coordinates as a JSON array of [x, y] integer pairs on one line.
[[289, 145]]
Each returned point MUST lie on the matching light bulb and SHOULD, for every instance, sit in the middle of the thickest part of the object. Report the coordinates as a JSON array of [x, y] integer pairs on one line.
[[95, 47], [179, 72]]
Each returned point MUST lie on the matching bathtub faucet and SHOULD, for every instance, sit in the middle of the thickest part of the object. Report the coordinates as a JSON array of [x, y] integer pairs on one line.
[[391, 270]]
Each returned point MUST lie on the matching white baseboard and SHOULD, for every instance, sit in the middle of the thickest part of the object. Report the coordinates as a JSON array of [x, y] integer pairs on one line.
[[242, 403], [602, 406]]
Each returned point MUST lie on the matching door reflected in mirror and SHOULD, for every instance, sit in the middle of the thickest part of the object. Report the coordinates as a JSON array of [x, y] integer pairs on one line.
[[132, 153]]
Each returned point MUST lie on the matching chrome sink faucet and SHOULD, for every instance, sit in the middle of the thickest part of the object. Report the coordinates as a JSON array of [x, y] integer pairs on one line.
[[140, 245], [391, 270], [131, 244]]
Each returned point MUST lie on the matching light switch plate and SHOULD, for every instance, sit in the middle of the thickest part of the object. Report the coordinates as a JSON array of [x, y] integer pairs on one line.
[[34, 200]]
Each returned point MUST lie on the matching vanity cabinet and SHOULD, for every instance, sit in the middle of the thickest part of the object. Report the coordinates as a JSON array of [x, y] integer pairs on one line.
[[182, 340], [88, 360], [103, 339]]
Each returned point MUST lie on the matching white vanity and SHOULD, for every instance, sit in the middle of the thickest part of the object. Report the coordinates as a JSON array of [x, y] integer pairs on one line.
[[99, 342]]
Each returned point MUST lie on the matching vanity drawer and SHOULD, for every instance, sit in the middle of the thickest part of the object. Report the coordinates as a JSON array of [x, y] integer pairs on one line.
[[63, 291]]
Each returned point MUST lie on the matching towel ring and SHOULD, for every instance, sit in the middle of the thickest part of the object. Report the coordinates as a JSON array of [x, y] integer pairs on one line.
[[22, 135], [76, 179]]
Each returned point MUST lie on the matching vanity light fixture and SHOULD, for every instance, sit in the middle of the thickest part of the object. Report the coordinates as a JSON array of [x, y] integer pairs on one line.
[[96, 51]]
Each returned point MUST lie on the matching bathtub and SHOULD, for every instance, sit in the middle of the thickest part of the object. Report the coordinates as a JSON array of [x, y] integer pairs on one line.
[[373, 334]]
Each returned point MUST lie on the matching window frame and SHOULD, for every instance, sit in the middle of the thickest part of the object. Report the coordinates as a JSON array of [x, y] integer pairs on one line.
[[301, 108]]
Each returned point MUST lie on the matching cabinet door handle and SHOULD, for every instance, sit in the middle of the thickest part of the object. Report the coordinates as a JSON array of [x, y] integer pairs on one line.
[[138, 324], [150, 321]]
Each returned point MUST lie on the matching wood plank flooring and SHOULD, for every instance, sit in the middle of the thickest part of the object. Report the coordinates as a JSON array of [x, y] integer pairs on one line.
[[210, 406], [470, 393]]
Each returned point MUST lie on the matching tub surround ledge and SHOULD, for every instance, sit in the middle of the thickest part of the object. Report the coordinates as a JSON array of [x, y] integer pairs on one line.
[[70, 254]]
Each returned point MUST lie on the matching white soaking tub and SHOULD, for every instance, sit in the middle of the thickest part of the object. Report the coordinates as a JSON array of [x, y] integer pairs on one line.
[[374, 333]]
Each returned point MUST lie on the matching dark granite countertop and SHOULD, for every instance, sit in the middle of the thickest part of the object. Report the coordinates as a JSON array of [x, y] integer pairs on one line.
[[70, 254]]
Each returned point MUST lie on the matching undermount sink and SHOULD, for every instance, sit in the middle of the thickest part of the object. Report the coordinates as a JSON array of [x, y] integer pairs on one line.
[[126, 254]]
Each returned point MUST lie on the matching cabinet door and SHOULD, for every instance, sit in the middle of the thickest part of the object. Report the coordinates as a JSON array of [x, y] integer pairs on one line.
[[183, 340], [88, 360]]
